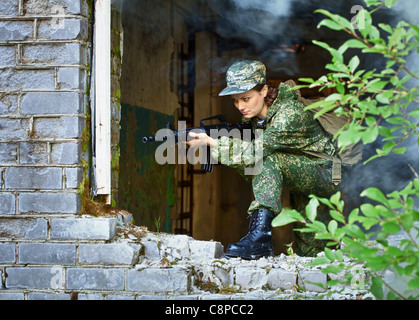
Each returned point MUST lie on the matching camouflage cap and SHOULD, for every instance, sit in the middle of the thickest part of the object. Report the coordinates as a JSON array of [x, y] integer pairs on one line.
[[243, 76]]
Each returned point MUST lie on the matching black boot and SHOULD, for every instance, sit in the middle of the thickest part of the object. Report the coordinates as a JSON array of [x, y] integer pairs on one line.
[[258, 242]]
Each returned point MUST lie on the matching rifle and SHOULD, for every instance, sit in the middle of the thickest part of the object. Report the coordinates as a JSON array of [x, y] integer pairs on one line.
[[181, 135]]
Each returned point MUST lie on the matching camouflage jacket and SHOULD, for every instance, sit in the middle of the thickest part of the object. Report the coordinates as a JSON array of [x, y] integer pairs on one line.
[[287, 128]]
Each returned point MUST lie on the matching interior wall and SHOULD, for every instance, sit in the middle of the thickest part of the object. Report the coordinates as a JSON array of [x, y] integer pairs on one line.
[[148, 102]]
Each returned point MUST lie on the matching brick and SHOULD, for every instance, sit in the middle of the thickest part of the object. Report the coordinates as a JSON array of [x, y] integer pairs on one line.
[[29, 228], [281, 279], [179, 244], [71, 78], [42, 7], [16, 30], [206, 249], [47, 253], [185, 297], [49, 202], [51, 103], [215, 297], [109, 254], [53, 54], [8, 104], [248, 278], [120, 297], [219, 275], [151, 297], [34, 278], [8, 153], [73, 177], [7, 203], [7, 253], [89, 296], [83, 228], [12, 296], [7, 56], [159, 280], [65, 153], [33, 153], [95, 279], [63, 127], [151, 250], [48, 296], [9, 8], [33, 178], [67, 29], [42, 79], [309, 278], [14, 129]]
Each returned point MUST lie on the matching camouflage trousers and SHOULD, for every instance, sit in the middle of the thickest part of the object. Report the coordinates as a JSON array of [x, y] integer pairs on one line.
[[302, 175]]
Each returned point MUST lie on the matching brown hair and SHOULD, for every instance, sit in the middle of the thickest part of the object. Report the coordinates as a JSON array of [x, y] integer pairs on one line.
[[272, 93]]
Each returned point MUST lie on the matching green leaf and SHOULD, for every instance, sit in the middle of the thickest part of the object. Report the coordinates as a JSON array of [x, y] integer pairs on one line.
[[367, 223], [332, 226], [337, 216], [347, 138], [372, 3], [287, 216], [334, 97], [355, 43], [329, 254], [353, 216], [401, 150], [364, 22], [337, 18], [318, 104], [339, 255], [374, 194], [354, 231], [354, 63], [385, 132], [330, 24], [390, 3], [309, 80], [311, 209], [370, 135], [318, 261], [369, 210], [413, 284], [386, 27], [377, 288], [376, 85], [414, 113], [324, 45], [390, 227]]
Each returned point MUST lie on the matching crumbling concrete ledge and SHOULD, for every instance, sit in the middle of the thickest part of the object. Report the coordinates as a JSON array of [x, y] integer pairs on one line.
[[92, 258]]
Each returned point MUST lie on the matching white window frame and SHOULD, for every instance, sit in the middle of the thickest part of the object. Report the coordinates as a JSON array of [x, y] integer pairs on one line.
[[102, 88]]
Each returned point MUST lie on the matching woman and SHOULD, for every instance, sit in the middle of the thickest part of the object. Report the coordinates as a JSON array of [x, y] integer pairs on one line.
[[289, 133]]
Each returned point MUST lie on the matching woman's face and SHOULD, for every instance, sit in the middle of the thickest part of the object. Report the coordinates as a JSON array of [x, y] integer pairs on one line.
[[251, 103]]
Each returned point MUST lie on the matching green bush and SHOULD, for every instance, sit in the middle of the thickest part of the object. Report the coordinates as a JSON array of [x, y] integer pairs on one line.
[[380, 106]]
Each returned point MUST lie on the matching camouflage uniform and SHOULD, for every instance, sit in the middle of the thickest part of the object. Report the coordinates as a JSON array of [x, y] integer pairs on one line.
[[288, 131]]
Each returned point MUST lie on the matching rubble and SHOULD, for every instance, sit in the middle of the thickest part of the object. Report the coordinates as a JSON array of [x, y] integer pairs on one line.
[[214, 276], [98, 258]]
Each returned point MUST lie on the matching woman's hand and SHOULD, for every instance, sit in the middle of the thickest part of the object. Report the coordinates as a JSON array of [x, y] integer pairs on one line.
[[201, 139]]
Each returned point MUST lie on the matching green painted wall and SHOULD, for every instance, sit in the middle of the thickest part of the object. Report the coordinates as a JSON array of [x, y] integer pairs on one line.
[[146, 189]]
